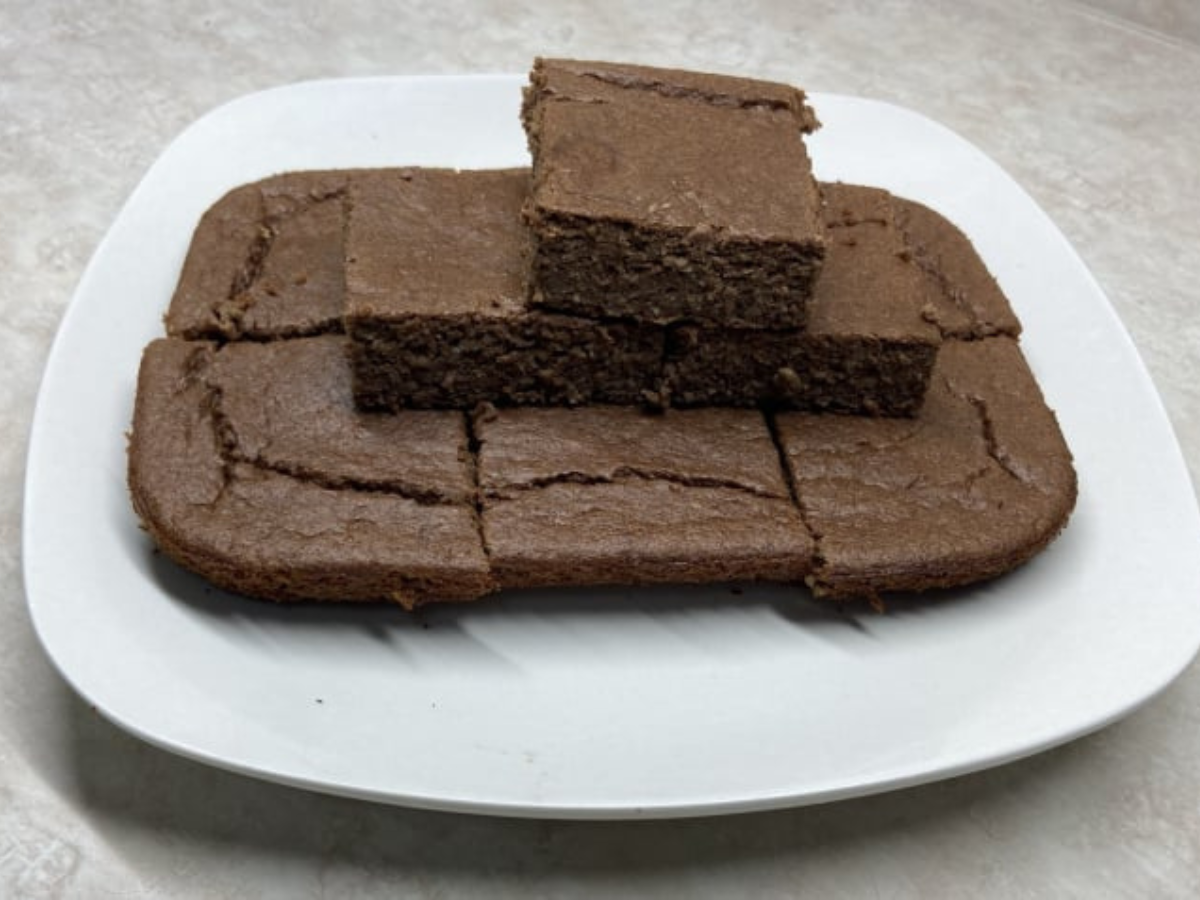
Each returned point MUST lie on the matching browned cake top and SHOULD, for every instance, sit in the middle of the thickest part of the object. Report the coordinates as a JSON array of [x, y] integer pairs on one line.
[[660, 148], [526, 447], [288, 406], [614, 494], [436, 241], [967, 302], [886, 298], [557, 75], [266, 261], [228, 483], [975, 484]]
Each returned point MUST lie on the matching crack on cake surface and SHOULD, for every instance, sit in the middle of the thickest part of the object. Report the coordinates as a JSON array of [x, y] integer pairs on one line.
[[635, 82], [993, 446], [230, 312], [256, 256], [626, 474], [209, 403], [644, 79], [979, 321], [406, 490], [482, 412], [850, 220], [280, 336], [232, 455], [817, 558], [976, 327]]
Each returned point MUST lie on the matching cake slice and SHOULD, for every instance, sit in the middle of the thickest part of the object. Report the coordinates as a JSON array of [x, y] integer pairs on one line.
[[249, 465], [977, 484], [868, 347], [966, 302], [660, 196], [266, 262], [436, 266], [611, 495]]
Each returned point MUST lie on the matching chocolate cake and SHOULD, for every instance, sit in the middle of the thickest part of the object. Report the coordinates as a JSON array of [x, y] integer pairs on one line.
[[266, 261], [976, 484], [436, 265], [670, 248], [662, 196], [249, 465], [868, 346], [968, 303], [615, 495]]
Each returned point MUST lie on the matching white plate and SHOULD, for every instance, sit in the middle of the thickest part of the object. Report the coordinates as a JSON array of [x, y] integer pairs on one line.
[[604, 703]]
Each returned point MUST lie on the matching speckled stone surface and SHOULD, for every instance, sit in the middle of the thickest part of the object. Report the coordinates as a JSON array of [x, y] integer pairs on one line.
[[1086, 104]]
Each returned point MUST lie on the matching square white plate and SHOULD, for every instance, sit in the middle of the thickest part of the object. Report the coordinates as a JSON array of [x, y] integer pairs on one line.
[[605, 703]]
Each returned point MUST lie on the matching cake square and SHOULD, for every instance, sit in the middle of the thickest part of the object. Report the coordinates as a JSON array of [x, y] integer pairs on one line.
[[661, 196], [868, 347], [606, 495], [249, 465], [268, 261], [968, 303], [265, 262], [436, 269], [976, 484]]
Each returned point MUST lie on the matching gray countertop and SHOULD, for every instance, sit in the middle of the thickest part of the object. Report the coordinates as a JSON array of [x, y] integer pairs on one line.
[[1089, 105]]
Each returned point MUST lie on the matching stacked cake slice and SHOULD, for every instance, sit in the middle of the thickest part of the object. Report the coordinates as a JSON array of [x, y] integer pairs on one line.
[[671, 247], [668, 196]]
